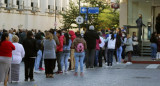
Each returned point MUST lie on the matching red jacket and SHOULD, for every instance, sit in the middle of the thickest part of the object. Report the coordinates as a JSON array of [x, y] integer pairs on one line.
[[72, 34], [6, 48], [60, 46]]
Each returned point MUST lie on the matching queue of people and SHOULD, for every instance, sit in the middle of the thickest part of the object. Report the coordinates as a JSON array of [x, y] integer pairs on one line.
[[60, 46]]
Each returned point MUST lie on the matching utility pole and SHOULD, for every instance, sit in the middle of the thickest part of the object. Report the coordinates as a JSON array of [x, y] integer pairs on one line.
[[79, 12], [55, 14]]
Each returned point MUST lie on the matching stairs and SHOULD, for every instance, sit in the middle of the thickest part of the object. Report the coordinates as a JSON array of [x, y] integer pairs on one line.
[[145, 48]]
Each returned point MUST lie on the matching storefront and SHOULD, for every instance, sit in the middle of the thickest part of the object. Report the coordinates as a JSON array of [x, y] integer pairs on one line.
[[130, 9]]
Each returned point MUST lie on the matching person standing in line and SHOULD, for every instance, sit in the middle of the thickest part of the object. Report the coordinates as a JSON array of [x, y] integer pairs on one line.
[[102, 50], [129, 48], [153, 45], [72, 59], [98, 41], [6, 48], [139, 23], [39, 53], [49, 54], [10, 35], [59, 52], [79, 44], [29, 45], [119, 48], [111, 48], [124, 39], [135, 44], [90, 36], [17, 56], [66, 52]]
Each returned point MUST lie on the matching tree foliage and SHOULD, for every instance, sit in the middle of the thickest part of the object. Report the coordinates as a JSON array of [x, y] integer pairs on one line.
[[107, 18]]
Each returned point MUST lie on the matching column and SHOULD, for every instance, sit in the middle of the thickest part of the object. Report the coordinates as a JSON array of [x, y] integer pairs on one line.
[[44, 5], [51, 3], [2, 2], [123, 12], [27, 4], [14, 4]]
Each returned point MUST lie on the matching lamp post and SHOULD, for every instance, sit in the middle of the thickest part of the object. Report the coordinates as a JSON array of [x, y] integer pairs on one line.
[[79, 12], [55, 14]]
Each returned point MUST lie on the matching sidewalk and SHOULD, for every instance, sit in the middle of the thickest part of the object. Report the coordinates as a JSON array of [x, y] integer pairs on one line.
[[143, 60]]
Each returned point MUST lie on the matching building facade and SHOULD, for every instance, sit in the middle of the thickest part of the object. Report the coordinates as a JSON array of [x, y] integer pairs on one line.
[[130, 9], [32, 14]]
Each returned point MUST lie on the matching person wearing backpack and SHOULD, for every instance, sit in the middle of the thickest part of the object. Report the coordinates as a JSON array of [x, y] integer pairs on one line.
[[79, 44]]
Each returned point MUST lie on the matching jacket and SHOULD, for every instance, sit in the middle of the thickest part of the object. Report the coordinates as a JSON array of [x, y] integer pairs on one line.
[[17, 54], [29, 45], [49, 49], [111, 43], [60, 46], [129, 46], [90, 37], [78, 40], [6, 48], [72, 34]]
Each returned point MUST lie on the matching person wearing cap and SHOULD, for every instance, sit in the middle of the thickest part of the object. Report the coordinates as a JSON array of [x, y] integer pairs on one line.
[[90, 36]]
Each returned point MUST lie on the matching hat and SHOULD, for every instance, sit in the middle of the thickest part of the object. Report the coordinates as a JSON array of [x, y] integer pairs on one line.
[[91, 27]]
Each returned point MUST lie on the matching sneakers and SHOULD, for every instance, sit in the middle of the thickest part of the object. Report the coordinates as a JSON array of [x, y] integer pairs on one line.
[[37, 71], [41, 69], [59, 72], [75, 74], [129, 63], [82, 74]]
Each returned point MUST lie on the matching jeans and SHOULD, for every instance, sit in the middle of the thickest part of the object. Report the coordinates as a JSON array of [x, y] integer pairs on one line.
[[38, 59], [64, 60], [119, 53], [79, 57], [154, 50], [96, 58], [110, 56]]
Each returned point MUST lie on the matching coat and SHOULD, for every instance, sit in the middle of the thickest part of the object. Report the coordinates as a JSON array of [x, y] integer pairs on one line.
[[129, 46]]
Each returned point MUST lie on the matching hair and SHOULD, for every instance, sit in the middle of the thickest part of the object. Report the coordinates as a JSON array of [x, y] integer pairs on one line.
[[153, 35], [67, 38], [15, 38], [118, 41], [49, 36], [59, 32], [38, 36], [3, 37], [79, 36], [29, 34], [112, 36]]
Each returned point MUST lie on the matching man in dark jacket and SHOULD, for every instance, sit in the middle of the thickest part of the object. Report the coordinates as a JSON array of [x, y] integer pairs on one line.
[[90, 36], [139, 25]]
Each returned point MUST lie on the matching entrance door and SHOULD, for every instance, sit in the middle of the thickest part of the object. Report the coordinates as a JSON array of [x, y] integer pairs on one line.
[[156, 12]]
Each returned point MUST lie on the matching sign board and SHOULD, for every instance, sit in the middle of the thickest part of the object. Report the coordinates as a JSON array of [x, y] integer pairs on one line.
[[79, 20], [83, 10], [93, 10]]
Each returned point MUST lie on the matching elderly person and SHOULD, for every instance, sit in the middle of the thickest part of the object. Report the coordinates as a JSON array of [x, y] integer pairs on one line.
[[49, 54], [17, 56], [129, 48], [6, 48]]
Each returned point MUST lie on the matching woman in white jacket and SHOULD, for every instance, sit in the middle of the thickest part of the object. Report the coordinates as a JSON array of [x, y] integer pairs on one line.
[[17, 56]]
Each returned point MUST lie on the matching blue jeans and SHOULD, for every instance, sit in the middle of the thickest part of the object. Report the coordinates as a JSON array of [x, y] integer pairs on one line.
[[96, 58], [38, 59], [119, 53], [64, 60], [79, 56], [154, 50]]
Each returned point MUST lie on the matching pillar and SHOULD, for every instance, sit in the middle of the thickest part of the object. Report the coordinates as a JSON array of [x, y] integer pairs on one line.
[[27, 4], [123, 12], [44, 5], [15, 4]]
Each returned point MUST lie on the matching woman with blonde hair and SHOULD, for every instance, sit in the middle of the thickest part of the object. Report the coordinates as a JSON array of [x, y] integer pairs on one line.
[[17, 56], [49, 54]]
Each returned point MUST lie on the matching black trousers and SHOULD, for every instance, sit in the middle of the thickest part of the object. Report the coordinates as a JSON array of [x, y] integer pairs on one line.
[[29, 65], [49, 65], [100, 57], [59, 56], [123, 52]]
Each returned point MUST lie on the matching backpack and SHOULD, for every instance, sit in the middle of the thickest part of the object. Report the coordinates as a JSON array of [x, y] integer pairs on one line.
[[80, 47]]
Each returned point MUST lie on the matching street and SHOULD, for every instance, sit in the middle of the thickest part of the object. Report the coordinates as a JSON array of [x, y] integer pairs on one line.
[[118, 75]]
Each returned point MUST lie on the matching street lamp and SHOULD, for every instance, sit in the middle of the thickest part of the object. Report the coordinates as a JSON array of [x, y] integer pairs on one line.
[[79, 11], [55, 14]]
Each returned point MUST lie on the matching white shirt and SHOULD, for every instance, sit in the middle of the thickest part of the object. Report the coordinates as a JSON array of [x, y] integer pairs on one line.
[[111, 44], [18, 53], [102, 42]]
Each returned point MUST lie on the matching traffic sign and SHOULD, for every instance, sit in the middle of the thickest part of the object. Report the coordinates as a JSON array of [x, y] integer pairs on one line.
[[79, 20], [83, 10], [93, 10]]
